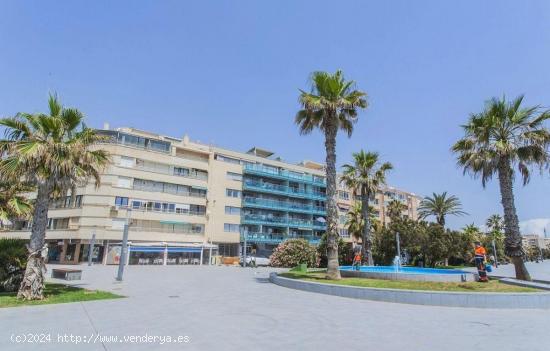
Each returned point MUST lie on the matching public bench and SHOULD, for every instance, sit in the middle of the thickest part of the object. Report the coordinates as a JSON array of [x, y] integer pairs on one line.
[[66, 274]]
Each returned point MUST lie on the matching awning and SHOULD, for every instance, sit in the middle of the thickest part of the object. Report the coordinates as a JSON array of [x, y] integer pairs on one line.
[[146, 249], [184, 249], [172, 222]]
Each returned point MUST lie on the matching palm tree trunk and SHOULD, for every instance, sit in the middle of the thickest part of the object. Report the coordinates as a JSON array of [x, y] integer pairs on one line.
[[333, 268], [32, 286], [513, 246], [367, 240]]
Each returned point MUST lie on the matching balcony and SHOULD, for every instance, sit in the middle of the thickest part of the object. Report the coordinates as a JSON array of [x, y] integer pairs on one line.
[[283, 174], [277, 238], [282, 222], [281, 190], [282, 206]]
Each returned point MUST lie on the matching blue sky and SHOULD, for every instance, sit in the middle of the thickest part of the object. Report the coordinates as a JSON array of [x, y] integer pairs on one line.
[[228, 72]]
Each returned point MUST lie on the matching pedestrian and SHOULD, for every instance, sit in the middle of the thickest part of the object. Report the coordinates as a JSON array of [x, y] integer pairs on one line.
[[480, 259], [357, 260]]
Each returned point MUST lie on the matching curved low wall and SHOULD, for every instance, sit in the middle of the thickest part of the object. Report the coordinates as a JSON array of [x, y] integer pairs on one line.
[[466, 277], [417, 297]]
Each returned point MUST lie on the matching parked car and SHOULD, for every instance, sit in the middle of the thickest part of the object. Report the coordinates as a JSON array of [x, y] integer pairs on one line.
[[255, 260]]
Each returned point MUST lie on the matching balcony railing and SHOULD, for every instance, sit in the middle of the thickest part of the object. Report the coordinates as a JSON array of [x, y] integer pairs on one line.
[[277, 238], [176, 229], [283, 174], [165, 210], [282, 190], [282, 221], [282, 205], [169, 171]]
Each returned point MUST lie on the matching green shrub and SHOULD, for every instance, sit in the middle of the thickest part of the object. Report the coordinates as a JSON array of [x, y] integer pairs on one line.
[[293, 252], [13, 259]]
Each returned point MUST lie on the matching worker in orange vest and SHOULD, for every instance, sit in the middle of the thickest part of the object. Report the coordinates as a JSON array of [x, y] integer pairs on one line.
[[480, 259], [357, 260]]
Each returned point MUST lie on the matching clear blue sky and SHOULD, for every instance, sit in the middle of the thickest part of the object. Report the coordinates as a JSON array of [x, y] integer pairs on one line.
[[228, 72]]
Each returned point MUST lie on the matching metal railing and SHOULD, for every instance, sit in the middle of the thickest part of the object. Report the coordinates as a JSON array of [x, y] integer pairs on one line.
[[282, 189], [282, 205], [283, 174]]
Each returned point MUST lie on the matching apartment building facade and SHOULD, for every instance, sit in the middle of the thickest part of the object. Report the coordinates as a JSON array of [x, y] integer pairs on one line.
[[186, 202]]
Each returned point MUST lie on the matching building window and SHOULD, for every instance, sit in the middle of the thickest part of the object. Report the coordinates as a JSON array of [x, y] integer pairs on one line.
[[180, 171], [232, 228], [233, 193], [234, 176], [231, 210], [343, 195], [121, 201], [228, 159], [344, 233], [58, 223], [124, 182]]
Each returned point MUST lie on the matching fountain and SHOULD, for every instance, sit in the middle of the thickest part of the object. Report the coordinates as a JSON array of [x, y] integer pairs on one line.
[[396, 264]]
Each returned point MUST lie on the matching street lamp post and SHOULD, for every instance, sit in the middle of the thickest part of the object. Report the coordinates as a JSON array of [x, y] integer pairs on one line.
[[91, 250], [495, 253], [124, 248]]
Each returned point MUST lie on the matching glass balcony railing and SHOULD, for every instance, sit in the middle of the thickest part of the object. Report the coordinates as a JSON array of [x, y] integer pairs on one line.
[[282, 190], [283, 174], [282, 205], [277, 238], [282, 221]]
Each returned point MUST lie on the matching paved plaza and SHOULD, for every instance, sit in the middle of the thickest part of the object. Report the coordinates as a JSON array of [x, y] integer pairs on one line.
[[231, 308]]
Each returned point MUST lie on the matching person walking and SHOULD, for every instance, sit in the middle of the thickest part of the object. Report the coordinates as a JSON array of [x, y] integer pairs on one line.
[[357, 260]]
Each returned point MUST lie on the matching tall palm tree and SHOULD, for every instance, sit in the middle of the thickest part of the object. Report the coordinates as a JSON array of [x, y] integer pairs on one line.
[[502, 136], [440, 206], [473, 232], [13, 203], [495, 223], [367, 175], [52, 152], [355, 222], [331, 105], [395, 208]]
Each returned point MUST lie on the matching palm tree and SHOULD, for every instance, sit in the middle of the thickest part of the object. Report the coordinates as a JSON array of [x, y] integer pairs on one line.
[[439, 205], [355, 222], [395, 208], [13, 204], [331, 105], [52, 152], [502, 136], [472, 232], [366, 175], [495, 223]]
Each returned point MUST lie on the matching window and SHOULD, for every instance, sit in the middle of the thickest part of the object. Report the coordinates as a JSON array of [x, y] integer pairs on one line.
[[121, 201], [344, 233], [118, 223], [180, 171], [126, 161], [58, 223], [233, 228], [233, 193], [234, 176], [227, 159], [124, 182], [343, 195], [231, 210], [177, 189]]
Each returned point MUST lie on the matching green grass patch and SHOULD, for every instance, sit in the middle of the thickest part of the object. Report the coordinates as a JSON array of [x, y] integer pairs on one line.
[[57, 293], [491, 286]]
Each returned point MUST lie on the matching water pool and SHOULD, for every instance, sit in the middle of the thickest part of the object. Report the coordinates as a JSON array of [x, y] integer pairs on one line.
[[408, 273]]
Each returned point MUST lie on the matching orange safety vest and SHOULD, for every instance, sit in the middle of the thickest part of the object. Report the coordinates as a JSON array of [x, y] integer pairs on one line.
[[357, 258], [480, 251]]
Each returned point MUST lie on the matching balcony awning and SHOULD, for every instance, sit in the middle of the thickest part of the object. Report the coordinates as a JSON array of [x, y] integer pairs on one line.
[[172, 222]]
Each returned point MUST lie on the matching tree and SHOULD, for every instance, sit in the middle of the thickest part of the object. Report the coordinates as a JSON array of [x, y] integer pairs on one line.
[[355, 222], [366, 175], [505, 135], [331, 105], [13, 204], [395, 209], [345, 251], [495, 226], [440, 206], [52, 152]]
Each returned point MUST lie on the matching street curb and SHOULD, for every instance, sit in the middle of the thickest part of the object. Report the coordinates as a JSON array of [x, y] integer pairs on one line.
[[427, 298]]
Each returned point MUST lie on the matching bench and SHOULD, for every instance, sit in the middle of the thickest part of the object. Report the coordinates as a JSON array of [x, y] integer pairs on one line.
[[66, 274]]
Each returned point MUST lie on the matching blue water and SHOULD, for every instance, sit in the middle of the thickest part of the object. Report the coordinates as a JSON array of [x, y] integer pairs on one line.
[[405, 270]]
